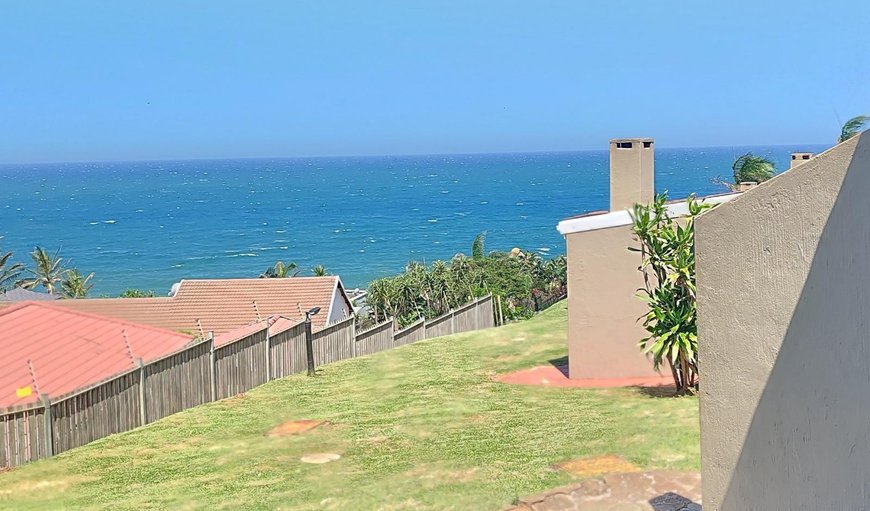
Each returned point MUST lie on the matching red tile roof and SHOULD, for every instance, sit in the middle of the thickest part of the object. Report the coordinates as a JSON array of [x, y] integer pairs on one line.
[[53, 350], [277, 324], [222, 305]]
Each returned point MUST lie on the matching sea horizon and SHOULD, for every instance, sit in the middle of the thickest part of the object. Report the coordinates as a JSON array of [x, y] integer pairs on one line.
[[791, 147], [149, 223]]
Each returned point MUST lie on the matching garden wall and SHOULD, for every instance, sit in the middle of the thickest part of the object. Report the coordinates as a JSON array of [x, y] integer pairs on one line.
[[783, 276]]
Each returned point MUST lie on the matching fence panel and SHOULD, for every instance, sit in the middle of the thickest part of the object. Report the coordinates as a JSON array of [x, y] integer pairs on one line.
[[410, 334], [22, 435], [442, 325], [102, 410], [484, 313], [375, 339], [465, 318], [241, 365], [288, 352], [335, 342], [177, 382], [183, 379]]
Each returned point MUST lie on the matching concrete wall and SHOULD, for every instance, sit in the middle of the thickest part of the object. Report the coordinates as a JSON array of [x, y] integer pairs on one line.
[[784, 333], [603, 330]]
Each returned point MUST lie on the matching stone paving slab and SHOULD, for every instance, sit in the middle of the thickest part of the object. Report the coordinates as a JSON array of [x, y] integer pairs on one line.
[[636, 491]]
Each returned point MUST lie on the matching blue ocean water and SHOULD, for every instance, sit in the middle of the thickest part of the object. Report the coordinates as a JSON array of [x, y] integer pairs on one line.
[[149, 224]]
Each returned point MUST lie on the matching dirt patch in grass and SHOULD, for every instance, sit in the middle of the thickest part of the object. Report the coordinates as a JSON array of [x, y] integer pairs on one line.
[[596, 466], [297, 427]]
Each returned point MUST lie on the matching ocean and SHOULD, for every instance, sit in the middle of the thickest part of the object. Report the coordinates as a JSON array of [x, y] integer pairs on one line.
[[148, 224]]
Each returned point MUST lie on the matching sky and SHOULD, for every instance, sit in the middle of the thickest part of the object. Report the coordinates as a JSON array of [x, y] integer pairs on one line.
[[106, 80]]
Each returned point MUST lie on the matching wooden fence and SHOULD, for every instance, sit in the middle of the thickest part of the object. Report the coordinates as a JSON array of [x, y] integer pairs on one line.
[[201, 373]]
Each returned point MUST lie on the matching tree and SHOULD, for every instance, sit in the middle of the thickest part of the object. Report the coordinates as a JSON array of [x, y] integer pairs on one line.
[[9, 271], [281, 270], [853, 126], [76, 285], [320, 271], [749, 167], [667, 249], [478, 246], [136, 293], [48, 270]]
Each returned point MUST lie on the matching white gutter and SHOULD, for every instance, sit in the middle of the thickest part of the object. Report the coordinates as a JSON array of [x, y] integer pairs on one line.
[[621, 218]]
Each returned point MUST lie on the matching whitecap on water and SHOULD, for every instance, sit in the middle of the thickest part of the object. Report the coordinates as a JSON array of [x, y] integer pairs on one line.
[[543, 249], [432, 220], [109, 221]]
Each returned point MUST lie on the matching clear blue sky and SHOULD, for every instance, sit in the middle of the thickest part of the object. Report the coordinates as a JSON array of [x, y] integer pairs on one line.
[[190, 79]]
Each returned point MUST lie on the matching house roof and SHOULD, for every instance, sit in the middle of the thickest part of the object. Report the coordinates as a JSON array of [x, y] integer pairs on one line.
[[52, 350], [277, 324], [19, 294], [605, 219], [222, 305]]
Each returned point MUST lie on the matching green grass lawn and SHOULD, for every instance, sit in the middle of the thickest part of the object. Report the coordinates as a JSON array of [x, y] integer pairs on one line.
[[419, 427]]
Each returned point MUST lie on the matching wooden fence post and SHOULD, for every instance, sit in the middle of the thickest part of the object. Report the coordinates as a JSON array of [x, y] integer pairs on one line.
[[268, 353], [48, 426], [211, 367], [143, 410]]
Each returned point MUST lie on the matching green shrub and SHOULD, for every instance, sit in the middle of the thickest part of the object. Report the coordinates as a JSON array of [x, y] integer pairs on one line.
[[667, 248]]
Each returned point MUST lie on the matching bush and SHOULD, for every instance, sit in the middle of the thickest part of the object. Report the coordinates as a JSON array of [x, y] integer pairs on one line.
[[429, 291], [667, 249]]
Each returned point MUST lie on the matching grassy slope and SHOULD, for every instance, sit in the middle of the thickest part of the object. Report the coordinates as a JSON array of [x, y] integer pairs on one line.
[[420, 427]]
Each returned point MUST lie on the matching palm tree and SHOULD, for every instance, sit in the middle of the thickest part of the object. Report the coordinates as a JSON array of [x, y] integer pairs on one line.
[[48, 270], [749, 167], [281, 270], [853, 126], [9, 272], [76, 285], [320, 271]]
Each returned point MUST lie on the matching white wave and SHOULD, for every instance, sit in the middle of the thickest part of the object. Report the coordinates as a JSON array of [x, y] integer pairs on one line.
[[109, 221]]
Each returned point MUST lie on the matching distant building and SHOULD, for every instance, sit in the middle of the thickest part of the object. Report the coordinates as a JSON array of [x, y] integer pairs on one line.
[[603, 276], [20, 294], [798, 158], [47, 349], [222, 305]]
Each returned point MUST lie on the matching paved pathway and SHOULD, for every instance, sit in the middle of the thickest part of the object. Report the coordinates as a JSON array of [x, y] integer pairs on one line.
[[635, 491]]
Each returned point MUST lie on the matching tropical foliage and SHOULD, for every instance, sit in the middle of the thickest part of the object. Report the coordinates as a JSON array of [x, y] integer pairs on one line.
[[136, 293], [428, 291], [48, 271], [853, 126], [751, 168], [319, 271], [76, 285], [281, 270], [9, 271], [667, 249]]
